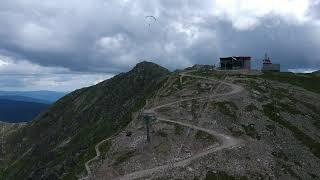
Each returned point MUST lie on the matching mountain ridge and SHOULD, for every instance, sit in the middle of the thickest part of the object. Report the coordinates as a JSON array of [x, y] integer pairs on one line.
[[23, 98], [50, 96], [205, 124], [87, 115]]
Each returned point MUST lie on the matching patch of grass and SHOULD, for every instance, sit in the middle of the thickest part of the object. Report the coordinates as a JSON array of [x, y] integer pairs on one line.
[[227, 108], [177, 83], [271, 128], [251, 107], [290, 108], [2, 172], [164, 109], [200, 135], [315, 112], [183, 104], [287, 169], [178, 130], [161, 133], [251, 131], [317, 124], [163, 148], [280, 155], [18, 167], [306, 81], [310, 106], [194, 108], [271, 111], [104, 148], [222, 176], [209, 74], [79, 166], [123, 156], [253, 84], [313, 176], [237, 132], [188, 80], [278, 93]]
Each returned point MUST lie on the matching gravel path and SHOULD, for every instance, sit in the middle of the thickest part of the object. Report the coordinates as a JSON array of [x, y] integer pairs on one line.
[[98, 154], [226, 142]]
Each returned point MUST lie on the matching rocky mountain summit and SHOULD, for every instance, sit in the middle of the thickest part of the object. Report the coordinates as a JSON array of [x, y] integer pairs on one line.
[[204, 124]]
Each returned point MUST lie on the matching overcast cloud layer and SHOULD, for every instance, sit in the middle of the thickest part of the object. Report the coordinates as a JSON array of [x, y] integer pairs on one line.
[[63, 45]]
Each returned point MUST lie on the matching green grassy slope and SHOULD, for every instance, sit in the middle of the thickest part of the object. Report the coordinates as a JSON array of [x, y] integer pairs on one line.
[[63, 137], [310, 82]]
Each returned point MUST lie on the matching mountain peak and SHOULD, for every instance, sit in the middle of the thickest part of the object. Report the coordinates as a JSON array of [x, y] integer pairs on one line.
[[88, 115], [148, 65], [146, 68]]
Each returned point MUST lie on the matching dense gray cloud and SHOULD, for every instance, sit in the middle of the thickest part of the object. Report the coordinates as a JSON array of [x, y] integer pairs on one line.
[[106, 37], [25, 76]]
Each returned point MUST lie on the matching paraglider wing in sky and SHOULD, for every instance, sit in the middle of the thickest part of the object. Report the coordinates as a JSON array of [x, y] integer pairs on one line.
[[150, 20]]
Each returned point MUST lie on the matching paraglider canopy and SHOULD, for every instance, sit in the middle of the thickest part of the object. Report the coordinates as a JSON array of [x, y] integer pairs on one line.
[[150, 20]]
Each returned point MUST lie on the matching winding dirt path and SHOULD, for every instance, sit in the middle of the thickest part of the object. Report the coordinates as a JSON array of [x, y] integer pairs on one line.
[[98, 154], [235, 89], [226, 142]]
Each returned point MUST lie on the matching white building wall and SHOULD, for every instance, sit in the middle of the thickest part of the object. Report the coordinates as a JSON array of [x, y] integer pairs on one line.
[[271, 67]]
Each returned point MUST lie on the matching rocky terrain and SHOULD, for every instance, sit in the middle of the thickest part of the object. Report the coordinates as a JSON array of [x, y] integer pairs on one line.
[[205, 124], [5, 130], [276, 124]]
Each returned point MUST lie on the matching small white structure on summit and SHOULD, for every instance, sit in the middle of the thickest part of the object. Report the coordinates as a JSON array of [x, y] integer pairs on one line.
[[268, 66]]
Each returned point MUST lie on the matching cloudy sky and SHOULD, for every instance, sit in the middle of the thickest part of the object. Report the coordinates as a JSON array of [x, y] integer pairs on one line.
[[63, 45]]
